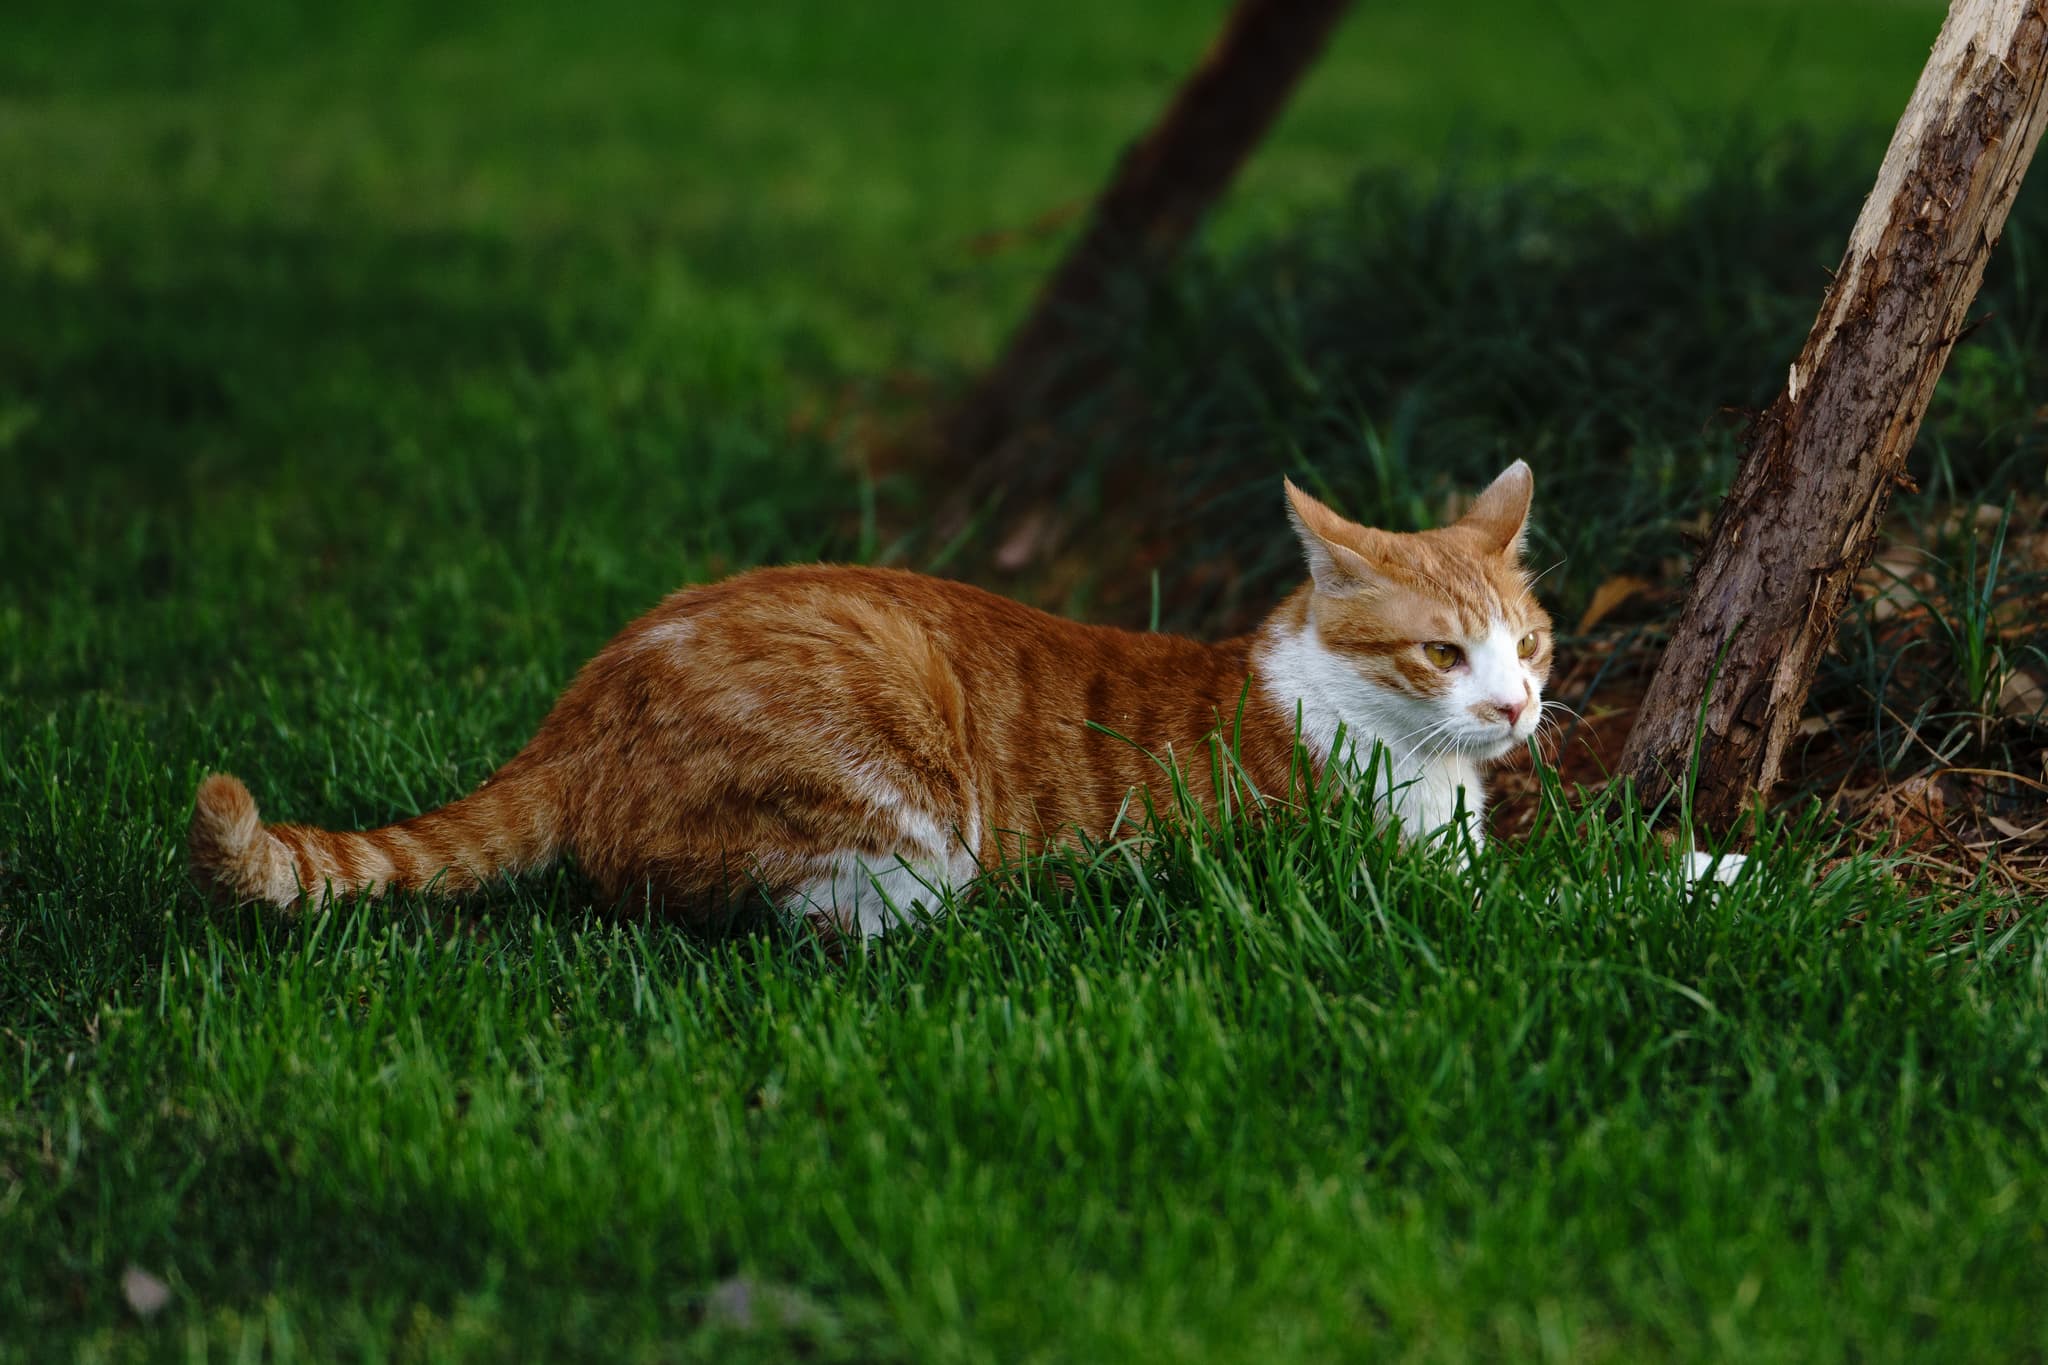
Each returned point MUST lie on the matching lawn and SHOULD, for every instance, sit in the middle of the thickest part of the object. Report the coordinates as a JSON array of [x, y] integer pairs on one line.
[[362, 369]]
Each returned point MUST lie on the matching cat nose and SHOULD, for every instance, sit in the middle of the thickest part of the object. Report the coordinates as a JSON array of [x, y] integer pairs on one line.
[[1511, 711]]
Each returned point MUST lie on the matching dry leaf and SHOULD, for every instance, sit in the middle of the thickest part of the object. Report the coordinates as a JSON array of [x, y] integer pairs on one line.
[[2014, 615], [2023, 696], [1606, 598], [2029, 551], [1894, 581], [1025, 543], [2009, 829], [1983, 517], [146, 1294], [1910, 811]]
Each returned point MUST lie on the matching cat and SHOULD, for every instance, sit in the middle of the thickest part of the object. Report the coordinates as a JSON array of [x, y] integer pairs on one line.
[[849, 742]]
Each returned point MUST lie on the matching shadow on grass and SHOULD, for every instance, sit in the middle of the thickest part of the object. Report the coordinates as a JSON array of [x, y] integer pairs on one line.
[[229, 338], [1402, 345]]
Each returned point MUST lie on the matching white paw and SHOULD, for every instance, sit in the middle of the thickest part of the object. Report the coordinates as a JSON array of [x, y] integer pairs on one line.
[[1705, 866]]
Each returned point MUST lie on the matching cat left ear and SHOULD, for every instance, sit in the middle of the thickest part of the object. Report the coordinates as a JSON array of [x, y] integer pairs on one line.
[[1501, 515], [1336, 568]]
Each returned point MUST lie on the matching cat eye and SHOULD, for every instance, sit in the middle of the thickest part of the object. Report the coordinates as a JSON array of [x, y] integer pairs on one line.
[[1526, 647], [1443, 655]]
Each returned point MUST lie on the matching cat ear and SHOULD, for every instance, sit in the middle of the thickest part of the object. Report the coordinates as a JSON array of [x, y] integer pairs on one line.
[[1501, 515], [1336, 568]]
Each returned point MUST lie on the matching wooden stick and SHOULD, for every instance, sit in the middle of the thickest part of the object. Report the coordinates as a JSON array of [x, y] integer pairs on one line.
[[1803, 515]]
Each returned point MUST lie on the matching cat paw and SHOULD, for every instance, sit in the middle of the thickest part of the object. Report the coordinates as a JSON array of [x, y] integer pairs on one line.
[[1706, 867]]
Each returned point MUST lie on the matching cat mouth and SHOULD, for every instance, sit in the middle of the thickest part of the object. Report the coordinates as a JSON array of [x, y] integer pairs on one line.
[[1499, 743]]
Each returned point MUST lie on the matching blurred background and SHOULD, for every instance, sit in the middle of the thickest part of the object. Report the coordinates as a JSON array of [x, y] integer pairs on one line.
[[824, 178], [473, 328]]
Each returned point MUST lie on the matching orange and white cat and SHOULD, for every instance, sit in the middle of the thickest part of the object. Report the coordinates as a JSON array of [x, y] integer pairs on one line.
[[849, 741]]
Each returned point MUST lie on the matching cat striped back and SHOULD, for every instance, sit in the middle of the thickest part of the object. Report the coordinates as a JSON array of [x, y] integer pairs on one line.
[[850, 741]]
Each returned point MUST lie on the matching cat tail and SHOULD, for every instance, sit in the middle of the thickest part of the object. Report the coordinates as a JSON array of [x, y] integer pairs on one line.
[[508, 824]]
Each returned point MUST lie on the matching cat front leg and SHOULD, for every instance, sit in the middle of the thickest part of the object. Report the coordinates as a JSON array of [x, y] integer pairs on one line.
[[1724, 868]]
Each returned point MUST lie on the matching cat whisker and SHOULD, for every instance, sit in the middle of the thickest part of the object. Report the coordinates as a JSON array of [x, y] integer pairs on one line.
[[1441, 727], [1449, 738], [1436, 724], [1420, 735], [1566, 731]]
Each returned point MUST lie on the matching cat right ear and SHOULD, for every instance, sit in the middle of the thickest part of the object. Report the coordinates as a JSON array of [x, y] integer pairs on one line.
[[1501, 513], [1337, 569]]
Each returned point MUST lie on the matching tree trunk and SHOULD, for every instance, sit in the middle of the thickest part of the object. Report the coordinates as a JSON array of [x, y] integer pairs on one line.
[[1165, 183], [1802, 518]]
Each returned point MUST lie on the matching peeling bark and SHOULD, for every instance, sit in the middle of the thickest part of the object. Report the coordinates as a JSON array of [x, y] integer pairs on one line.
[[1802, 517]]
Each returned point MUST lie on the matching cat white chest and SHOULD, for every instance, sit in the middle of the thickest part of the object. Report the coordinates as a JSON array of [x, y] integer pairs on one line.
[[1345, 719]]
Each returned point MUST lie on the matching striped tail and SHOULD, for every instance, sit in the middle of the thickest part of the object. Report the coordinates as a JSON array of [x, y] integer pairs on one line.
[[506, 825]]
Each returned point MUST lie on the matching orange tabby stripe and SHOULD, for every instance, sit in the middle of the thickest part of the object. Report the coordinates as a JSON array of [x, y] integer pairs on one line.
[[758, 731]]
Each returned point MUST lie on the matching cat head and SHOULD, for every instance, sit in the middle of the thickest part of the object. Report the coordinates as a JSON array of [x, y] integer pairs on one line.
[[1431, 641]]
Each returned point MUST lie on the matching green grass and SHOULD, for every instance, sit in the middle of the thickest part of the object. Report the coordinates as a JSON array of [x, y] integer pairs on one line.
[[1286, 1091], [361, 371]]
